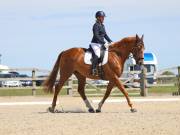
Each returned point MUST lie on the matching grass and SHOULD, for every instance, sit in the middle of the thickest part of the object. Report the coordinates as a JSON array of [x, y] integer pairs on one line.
[[163, 89], [26, 92], [40, 92]]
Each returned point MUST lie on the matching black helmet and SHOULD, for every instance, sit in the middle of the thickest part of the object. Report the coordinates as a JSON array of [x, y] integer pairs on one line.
[[100, 13]]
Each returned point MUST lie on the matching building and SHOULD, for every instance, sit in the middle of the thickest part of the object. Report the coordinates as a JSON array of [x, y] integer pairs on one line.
[[4, 69]]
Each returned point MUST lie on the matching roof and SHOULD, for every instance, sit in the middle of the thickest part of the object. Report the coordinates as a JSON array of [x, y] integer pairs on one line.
[[150, 58]]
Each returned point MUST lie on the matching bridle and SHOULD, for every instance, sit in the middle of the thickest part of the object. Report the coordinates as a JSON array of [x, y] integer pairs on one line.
[[135, 50]]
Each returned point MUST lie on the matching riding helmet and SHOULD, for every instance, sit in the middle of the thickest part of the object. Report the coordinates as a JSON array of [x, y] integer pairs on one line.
[[100, 13]]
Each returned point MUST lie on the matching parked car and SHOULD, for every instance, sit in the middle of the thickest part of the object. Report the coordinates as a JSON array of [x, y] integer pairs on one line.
[[25, 82], [40, 82], [1, 83], [11, 84], [100, 82]]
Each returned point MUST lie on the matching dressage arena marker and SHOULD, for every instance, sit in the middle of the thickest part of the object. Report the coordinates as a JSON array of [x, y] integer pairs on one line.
[[26, 103], [139, 100]]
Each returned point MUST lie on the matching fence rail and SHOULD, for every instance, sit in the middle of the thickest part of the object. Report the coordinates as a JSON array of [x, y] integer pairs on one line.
[[70, 84]]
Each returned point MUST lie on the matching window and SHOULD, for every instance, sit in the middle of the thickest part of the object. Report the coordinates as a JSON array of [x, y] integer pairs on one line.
[[150, 68]]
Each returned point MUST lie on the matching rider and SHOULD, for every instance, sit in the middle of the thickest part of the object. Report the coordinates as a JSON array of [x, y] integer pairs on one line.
[[99, 33]]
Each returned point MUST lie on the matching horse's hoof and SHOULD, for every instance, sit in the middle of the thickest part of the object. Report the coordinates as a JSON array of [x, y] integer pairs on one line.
[[50, 109], [98, 111], [91, 110], [133, 110]]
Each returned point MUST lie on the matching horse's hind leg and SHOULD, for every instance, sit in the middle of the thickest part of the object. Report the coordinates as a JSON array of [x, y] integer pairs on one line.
[[81, 87], [58, 87], [108, 91]]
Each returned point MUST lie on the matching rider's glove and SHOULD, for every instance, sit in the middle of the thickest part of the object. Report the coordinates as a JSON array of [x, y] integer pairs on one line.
[[108, 44]]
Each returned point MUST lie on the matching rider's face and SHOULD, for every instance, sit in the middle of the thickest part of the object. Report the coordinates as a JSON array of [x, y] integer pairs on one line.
[[101, 19]]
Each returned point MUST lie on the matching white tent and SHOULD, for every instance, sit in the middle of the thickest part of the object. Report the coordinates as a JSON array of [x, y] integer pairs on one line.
[[3, 69]]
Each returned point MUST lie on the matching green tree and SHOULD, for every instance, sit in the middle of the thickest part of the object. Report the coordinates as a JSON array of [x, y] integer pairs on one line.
[[167, 73]]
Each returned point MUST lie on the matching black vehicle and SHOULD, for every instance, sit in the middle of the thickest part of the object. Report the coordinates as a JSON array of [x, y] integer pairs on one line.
[[1, 83], [40, 81], [25, 82]]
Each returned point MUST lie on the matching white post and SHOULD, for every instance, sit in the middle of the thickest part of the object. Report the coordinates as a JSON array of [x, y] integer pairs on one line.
[[33, 83], [70, 87]]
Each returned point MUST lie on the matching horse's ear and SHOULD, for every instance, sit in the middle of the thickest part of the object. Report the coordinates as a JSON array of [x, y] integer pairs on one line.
[[142, 38], [137, 37]]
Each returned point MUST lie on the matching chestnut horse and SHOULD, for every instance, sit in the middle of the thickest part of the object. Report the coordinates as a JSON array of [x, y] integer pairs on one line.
[[71, 62]]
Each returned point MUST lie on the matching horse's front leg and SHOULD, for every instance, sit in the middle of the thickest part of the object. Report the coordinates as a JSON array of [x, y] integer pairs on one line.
[[108, 91], [123, 90]]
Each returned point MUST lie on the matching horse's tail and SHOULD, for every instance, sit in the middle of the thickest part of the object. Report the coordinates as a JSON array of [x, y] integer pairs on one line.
[[50, 81]]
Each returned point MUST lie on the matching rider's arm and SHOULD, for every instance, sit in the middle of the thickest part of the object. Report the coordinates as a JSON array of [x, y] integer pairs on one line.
[[107, 37], [96, 34]]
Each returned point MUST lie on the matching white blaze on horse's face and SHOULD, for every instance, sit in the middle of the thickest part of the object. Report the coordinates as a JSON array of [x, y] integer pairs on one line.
[[138, 50]]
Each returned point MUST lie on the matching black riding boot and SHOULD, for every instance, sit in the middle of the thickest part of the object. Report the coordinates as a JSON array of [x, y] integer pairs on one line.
[[94, 64]]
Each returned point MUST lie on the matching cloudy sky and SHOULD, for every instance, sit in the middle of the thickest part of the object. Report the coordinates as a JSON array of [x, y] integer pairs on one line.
[[34, 32]]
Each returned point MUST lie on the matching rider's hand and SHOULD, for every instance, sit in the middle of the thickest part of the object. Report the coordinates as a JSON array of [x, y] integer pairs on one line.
[[107, 45], [111, 43]]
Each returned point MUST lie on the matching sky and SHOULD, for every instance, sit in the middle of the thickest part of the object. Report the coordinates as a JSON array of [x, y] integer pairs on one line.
[[34, 32]]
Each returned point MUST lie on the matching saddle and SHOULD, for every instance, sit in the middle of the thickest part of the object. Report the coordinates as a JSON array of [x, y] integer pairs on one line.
[[101, 61]]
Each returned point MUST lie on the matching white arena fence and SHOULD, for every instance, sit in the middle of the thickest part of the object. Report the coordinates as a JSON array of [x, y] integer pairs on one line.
[[95, 88]]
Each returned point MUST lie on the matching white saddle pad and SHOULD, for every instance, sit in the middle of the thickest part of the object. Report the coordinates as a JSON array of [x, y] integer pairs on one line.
[[88, 56]]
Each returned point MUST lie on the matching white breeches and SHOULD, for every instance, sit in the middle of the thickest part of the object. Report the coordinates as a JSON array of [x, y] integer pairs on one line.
[[96, 48]]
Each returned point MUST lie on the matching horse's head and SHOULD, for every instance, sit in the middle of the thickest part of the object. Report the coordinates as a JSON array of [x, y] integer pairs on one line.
[[138, 50], [134, 45]]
